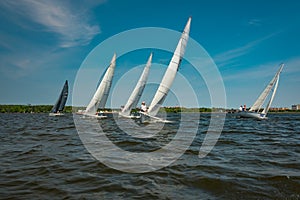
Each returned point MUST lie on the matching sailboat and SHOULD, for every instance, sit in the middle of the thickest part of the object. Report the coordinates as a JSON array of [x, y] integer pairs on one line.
[[254, 111], [100, 97], [61, 101], [169, 75], [137, 92]]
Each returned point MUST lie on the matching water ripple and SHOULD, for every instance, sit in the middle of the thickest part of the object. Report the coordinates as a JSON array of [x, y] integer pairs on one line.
[[43, 157]]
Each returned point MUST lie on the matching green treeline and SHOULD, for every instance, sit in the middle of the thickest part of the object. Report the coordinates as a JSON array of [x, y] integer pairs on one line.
[[69, 109], [29, 108], [182, 109]]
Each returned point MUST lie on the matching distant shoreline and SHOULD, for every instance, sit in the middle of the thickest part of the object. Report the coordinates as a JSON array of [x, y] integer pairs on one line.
[[71, 109], [275, 113]]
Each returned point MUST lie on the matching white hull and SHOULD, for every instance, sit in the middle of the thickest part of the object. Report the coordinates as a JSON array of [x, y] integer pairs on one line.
[[56, 114], [129, 116], [91, 115], [252, 115], [146, 118]]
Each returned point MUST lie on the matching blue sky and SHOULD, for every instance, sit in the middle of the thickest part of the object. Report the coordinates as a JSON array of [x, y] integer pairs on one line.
[[43, 43]]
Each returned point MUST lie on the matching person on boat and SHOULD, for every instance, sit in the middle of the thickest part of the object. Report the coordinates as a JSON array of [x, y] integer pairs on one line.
[[122, 108], [245, 108], [241, 108], [143, 107], [100, 113]]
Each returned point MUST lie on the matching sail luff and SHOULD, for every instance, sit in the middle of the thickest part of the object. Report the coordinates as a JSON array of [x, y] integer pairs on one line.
[[265, 111], [107, 86], [170, 73], [64, 97], [61, 101], [55, 107], [101, 94], [138, 90], [261, 99]]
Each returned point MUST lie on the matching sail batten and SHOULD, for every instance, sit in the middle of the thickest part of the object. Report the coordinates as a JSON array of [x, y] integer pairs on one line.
[[138, 90], [100, 97], [170, 73]]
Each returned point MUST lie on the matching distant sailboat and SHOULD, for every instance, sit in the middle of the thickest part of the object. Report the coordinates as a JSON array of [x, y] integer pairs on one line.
[[100, 97], [137, 92], [170, 73], [254, 111], [61, 102]]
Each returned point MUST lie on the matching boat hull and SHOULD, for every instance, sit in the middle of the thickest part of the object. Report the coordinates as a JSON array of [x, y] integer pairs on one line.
[[146, 118], [91, 115], [252, 115], [56, 114], [129, 116]]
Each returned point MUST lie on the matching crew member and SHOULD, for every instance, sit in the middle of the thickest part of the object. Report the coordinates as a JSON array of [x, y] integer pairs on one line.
[[143, 107]]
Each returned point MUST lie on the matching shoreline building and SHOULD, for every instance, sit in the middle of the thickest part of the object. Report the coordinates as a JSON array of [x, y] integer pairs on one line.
[[296, 107], [274, 109]]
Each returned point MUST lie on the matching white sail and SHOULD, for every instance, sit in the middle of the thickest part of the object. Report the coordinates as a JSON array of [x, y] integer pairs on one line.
[[170, 73], [138, 90], [100, 97], [261, 99], [265, 111]]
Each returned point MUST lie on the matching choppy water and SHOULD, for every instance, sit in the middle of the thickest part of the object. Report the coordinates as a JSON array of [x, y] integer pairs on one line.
[[43, 157]]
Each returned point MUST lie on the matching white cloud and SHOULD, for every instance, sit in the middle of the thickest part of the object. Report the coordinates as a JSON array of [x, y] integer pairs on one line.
[[230, 56], [70, 21], [255, 22], [267, 70], [292, 65], [254, 72], [26, 44]]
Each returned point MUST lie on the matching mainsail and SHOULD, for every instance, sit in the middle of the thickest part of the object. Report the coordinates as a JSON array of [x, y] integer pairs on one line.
[[170, 73], [138, 90], [100, 97], [265, 111], [61, 101], [261, 99]]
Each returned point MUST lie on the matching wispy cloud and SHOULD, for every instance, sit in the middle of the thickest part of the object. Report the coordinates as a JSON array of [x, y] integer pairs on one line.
[[255, 22], [231, 56], [37, 30], [253, 72], [292, 67], [18, 64], [70, 21]]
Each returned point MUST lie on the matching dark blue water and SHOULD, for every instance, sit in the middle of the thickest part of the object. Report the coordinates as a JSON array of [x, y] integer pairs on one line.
[[43, 157]]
